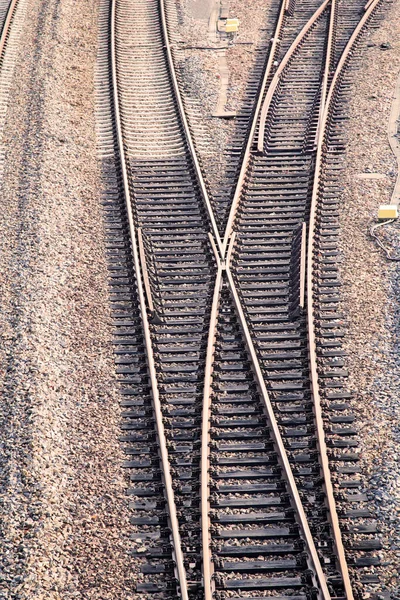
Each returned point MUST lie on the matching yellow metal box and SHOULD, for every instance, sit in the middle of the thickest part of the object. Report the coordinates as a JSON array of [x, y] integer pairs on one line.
[[388, 211], [231, 25]]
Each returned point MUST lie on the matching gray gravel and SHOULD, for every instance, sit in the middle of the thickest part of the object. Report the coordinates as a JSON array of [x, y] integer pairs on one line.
[[200, 71], [63, 514], [371, 289]]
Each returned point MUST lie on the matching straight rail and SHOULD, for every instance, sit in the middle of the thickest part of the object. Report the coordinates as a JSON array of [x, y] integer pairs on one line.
[[165, 464]]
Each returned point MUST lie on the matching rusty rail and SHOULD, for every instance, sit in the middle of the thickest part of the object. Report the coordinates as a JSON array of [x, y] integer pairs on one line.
[[322, 130], [164, 459]]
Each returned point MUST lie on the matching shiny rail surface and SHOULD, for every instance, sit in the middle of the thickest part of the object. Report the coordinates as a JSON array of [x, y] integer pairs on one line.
[[162, 443], [292, 486], [284, 62], [312, 245], [222, 338], [319, 135], [311, 334], [8, 8]]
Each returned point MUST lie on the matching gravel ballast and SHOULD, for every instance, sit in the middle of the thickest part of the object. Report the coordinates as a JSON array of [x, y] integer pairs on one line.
[[64, 521], [215, 71], [63, 514], [370, 292]]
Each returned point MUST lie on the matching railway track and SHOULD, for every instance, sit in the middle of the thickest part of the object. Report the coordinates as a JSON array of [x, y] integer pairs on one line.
[[273, 205], [7, 11], [11, 16], [232, 373]]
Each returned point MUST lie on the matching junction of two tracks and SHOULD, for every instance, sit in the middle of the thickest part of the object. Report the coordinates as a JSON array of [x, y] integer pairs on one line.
[[275, 375], [238, 427]]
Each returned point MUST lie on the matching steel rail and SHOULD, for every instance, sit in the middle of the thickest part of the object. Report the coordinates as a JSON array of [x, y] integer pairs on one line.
[[186, 128], [282, 65], [6, 25], [303, 253], [145, 271], [208, 569], [166, 473], [208, 566], [220, 249], [207, 563], [369, 9], [276, 435], [242, 175], [328, 65], [368, 4], [330, 498], [209, 586]]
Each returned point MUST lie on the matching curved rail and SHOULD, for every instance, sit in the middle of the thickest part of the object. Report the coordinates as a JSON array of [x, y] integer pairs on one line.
[[209, 586], [168, 489], [310, 301], [326, 100], [243, 169], [282, 65], [315, 564], [7, 23], [220, 247]]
